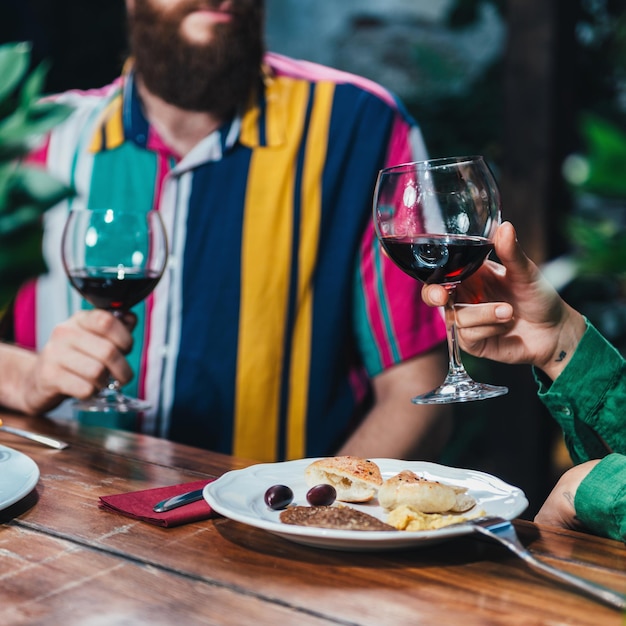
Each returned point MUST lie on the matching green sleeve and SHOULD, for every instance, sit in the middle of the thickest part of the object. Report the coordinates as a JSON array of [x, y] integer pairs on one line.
[[588, 399], [600, 500]]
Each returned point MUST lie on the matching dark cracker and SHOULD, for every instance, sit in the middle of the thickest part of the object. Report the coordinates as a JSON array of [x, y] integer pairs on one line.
[[337, 517]]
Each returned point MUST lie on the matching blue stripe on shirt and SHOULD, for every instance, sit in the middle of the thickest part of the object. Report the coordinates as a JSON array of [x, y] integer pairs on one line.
[[204, 384]]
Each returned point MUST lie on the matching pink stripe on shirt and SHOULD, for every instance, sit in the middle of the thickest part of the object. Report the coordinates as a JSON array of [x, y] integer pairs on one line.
[[402, 325], [374, 300], [25, 306], [163, 169], [25, 317], [400, 145], [296, 68]]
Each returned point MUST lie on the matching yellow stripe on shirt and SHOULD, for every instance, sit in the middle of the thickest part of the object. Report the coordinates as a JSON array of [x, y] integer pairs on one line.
[[315, 157], [266, 260], [110, 124], [115, 126]]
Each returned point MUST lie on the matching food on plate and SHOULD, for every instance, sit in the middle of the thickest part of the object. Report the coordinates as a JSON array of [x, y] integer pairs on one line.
[[355, 479], [278, 497], [405, 518], [321, 495], [423, 495], [411, 501], [464, 501], [337, 517]]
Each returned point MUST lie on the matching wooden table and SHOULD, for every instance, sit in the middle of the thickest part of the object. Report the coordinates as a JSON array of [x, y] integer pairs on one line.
[[65, 561]]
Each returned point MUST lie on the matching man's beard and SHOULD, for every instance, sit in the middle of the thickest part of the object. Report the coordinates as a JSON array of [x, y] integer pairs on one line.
[[216, 77]]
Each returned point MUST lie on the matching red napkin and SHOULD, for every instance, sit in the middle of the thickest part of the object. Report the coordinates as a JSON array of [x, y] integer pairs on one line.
[[139, 504]]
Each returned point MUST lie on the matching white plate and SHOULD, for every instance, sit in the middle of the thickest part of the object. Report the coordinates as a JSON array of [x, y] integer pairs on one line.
[[239, 494], [18, 476]]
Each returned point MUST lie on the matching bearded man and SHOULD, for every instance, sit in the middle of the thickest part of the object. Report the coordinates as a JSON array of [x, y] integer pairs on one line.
[[279, 330]]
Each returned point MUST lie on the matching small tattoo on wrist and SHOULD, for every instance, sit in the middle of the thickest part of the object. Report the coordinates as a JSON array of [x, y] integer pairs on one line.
[[561, 356]]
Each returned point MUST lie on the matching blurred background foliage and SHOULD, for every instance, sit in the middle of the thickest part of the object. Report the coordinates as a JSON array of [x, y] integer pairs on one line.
[[26, 191], [594, 172]]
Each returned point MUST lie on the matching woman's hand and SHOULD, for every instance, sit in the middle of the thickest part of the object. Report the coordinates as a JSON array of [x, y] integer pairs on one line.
[[558, 509], [508, 312]]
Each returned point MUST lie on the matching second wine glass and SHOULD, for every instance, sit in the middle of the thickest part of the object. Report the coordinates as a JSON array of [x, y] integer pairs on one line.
[[436, 220], [114, 259]]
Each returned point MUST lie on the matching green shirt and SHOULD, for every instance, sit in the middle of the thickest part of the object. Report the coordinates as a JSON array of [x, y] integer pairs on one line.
[[588, 400]]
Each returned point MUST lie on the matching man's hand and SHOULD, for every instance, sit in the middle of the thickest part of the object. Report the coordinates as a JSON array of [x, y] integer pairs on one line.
[[76, 362]]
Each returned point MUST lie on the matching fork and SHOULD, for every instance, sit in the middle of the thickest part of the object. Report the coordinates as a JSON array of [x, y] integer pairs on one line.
[[503, 531]]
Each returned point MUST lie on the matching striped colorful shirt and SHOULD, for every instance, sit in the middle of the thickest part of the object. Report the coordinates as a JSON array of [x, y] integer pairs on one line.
[[277, 307]]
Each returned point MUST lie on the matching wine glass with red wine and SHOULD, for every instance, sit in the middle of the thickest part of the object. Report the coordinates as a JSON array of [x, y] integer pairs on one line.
[[114, 259], [436, 220]]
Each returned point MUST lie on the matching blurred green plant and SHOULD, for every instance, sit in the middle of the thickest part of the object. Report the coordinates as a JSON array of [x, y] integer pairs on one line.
[[600, 170], [597, 179], [600, 246], [26, 191], [597, 227]]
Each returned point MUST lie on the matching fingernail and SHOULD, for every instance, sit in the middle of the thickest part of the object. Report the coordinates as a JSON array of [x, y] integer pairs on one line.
[[503, 312]]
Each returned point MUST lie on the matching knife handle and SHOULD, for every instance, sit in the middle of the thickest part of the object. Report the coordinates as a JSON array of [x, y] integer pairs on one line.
[[46, 441], [172, 503]]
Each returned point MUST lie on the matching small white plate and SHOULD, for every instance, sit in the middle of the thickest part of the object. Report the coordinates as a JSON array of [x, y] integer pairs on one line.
[[18, 476], [239, 494]]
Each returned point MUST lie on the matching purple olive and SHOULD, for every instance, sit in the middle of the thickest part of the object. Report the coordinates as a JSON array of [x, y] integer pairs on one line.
[[321, 495], [278, 497]]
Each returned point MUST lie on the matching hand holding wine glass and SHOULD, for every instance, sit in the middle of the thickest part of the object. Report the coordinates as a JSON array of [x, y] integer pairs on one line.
[[436, 220], [114, 259]]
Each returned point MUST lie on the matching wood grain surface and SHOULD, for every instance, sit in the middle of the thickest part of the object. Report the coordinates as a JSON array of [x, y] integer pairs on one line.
[[65, 561]]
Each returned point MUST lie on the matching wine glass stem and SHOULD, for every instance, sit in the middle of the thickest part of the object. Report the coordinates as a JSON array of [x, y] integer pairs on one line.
[[113, 386], [455, 365]]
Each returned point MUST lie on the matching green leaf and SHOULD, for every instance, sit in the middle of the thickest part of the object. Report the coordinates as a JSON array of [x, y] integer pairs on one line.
[[33, 86], [7, 169], [14, 61], [22, 217], [54, 112], [31, 123], [39, 186], [15, 151], [21, 256]]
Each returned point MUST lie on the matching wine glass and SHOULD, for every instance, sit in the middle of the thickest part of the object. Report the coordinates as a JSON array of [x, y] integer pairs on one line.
[[114, 259], [436, 220]]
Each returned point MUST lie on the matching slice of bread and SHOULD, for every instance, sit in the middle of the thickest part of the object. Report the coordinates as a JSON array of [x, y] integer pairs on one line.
[[355, 479], [423, 495]]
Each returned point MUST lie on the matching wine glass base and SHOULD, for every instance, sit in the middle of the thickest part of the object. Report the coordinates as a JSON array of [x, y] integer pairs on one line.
[[466, 391], [111, 403]]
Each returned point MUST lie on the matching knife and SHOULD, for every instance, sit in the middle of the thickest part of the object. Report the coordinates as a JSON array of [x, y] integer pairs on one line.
[[46, 441], [172, 503]]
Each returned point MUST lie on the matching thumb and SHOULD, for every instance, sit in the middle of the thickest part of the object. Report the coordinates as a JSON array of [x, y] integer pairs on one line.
[[511, 254], [435, 295]]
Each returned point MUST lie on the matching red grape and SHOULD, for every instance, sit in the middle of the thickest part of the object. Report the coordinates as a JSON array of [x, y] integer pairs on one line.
[[321, 495], [278, 497]]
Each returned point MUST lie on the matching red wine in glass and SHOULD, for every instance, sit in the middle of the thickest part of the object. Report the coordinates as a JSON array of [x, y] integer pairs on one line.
[[114, 259], [112, 288], [441, 259]]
